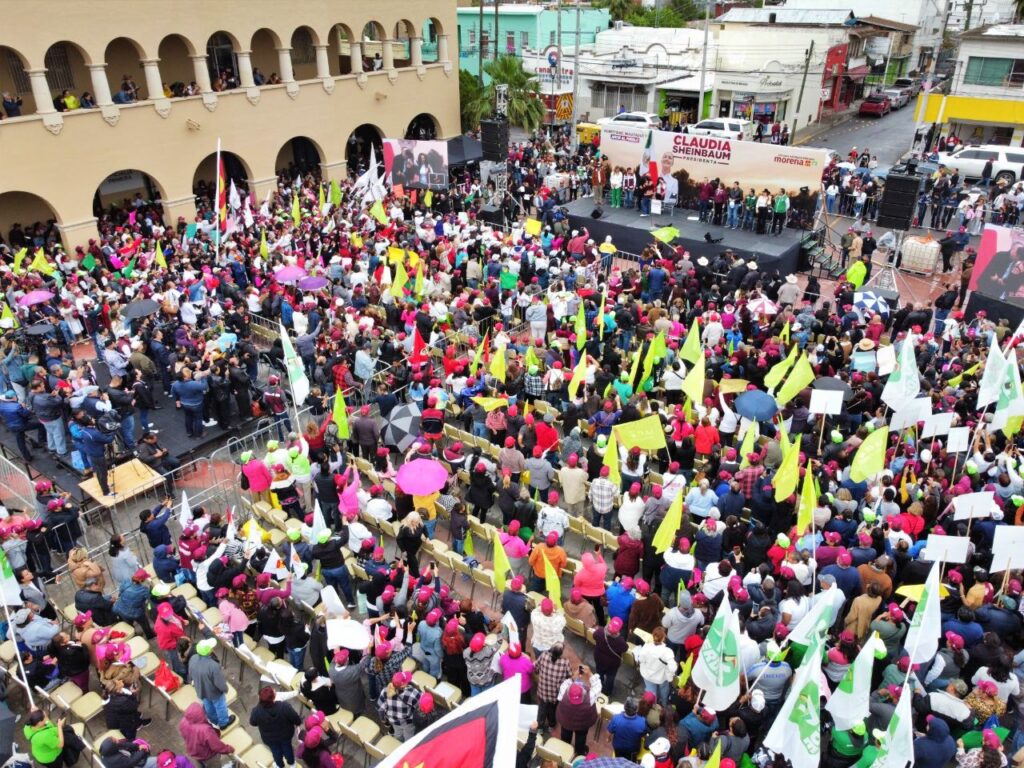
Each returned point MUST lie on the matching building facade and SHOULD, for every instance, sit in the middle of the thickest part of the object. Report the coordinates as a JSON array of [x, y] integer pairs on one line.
[[985, 104], [521, 26], [281, 86]]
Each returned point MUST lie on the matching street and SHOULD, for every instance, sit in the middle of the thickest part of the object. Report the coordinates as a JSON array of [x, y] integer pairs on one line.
[[887, 137]]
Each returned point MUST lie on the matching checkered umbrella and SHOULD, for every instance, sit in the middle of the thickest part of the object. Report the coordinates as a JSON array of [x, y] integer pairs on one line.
[[869, 303], [403, 426], [762, 306]]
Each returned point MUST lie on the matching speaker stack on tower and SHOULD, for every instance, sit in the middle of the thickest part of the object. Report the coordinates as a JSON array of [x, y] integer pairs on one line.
[[494, 140], [899, 199]]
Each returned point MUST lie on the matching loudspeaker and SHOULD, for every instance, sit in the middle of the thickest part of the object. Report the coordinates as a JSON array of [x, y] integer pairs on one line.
[[494, 140], [899, 198], [597, 213]]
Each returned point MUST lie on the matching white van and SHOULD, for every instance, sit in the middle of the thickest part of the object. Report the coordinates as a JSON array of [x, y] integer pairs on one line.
[[1007, 162], [724, 128]]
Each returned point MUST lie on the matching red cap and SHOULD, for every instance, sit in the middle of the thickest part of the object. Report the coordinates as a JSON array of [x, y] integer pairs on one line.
[[546, 606]]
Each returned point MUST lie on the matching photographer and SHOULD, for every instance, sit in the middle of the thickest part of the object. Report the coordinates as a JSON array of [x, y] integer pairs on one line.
[[94, 444], [20, 420], [49, 409], [158, 458], [123, 405]]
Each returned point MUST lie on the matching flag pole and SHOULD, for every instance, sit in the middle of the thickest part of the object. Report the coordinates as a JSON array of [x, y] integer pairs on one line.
[[21, 663], [216, 204]]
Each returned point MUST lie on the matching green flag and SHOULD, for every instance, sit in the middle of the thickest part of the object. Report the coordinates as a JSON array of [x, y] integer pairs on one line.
[[717, 669], [88, 263], [479, 355], [340, 414], [796, 730], [801, 377], [665, 234], [581, 327], [691, 350], [264, 250], [335, 193], [296, 213], [779, 370], [579, 375], [870, 457]]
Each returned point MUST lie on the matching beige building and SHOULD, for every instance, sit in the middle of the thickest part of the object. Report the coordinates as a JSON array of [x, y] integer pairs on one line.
[[349, 71]]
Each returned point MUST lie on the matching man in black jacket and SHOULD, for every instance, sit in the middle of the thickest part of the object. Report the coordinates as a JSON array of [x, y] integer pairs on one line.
[[91, 598], [50, 410], [122, 402], [332, 563]]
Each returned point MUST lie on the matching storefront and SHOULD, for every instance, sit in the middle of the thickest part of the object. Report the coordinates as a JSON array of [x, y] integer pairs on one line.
[[764, 98], [832, 77], [853, 84]]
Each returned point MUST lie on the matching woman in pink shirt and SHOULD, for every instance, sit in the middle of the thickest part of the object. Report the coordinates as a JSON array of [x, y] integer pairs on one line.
[[233, 616], [513, 661]]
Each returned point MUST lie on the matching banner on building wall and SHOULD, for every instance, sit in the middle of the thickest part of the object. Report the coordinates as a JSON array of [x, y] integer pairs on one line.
[[688, 160], [416, 164], [999, 270]]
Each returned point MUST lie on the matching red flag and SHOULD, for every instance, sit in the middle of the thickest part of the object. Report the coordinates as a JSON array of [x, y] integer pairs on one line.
[[222, 197], [652, 164], [418, 347]]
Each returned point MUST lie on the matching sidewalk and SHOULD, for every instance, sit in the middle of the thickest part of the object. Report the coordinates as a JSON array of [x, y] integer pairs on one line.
[[828, 121]]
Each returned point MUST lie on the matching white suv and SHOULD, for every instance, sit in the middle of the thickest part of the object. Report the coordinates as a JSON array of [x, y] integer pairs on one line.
[[635, 119], [1007, 162], [724, 127]]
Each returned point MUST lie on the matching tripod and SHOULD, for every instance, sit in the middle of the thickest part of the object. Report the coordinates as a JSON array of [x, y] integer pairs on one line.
[[888, 278]]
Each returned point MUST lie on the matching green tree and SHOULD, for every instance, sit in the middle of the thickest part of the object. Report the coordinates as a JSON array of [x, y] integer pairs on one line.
[[525, 108], [617, 9], [474, 101], [667, 16]]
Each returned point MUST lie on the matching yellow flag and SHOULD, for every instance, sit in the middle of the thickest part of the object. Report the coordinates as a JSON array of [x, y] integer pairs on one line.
[[18, 258], [532, 227], [356, 240], [779, 370], [322, 199], [666, 532], [296, 213], [579, 375], [788, 476], [40, 264], [7, 314], [749, 444], [808, 502], [635, 367], [685, 667], [467, 545], [420, 282], [396, 255], [870, 457], [581, 328], [159, 258], [691, 349], [693, 384], [611, 460], [428, 198], [340, 414], [498, 364], [490, 403], [552, 583], [478, 356], [377, 211], [398, 284], [716, 757], [726, 386], [532, 359], [600, 315], [501, 563], [799, 378], [646, 433], [784, 333]]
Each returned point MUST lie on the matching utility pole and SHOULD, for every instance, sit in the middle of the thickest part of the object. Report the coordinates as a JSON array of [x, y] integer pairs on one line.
[[703, 61], [556, 71], [800, 96], [480, 44], [575, 82], [497, 39], [922, 111]]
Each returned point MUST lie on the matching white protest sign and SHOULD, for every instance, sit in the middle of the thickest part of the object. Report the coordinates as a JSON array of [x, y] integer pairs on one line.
[[886, 357], [912, 412], [826, 401], [973, 505], [332, 603], [937, 424], [512, 627], [948, 549], [1007, 548], [959, 439], [346, 633]]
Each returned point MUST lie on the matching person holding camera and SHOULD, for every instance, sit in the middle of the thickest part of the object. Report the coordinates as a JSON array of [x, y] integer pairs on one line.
[[20, 420], [94, 443], [123, 404]]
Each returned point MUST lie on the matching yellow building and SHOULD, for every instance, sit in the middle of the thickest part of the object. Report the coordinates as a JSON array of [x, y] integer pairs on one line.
[[281, 85]]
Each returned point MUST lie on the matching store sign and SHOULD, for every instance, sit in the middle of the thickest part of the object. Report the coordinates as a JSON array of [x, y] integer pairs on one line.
[[766, 81], [548, 75], [826, 93]]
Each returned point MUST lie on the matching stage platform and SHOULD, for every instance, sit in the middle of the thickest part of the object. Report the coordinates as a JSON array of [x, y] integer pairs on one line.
[[631, 233], [125, 480]]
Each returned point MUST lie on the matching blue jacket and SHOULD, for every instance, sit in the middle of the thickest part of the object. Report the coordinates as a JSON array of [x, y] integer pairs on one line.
[[627, 731], [620, 601], [94, 442], [15, 415], [131, 601], [847, 579], [190, 393], [164, 563], [936, 748], [156, 529]]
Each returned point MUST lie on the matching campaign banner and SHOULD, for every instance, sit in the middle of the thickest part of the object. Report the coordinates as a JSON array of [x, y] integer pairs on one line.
[[687, 161], [416, 164], [999, 269]]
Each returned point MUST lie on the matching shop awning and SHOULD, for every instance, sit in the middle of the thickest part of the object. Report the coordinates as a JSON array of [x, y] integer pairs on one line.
[[858, 73]]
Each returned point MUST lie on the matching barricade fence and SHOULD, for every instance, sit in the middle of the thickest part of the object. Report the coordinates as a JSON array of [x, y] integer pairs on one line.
[[16, 487]]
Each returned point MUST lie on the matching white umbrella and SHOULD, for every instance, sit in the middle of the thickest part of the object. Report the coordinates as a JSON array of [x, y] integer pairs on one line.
[[762, 306]]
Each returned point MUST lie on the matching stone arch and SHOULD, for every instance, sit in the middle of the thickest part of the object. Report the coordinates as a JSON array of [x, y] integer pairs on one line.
[[204, 179], [67, 69], [265, 43], [176, 69], [423, 127], [339, 42], [404, 31], [25, 209], [222, 58], [372, 42], [300, 154], [124, 65], [118, 191], [431, 32], [14, 80], [357, 146], [303, 44]]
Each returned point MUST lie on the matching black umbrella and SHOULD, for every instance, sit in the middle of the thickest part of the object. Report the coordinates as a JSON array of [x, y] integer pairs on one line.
[[832, 384], [39, 329], [140, 308]]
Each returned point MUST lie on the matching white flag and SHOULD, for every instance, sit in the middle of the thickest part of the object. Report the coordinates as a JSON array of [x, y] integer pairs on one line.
[[897, 747], [247, 213], [184, 511], [9, 587], [905, 382], [851, 699], [297, 379], [923, 636], [319, 523], [796, 731], [232, 532], [817, 620], [717, 669], [234, 200], [295, 562], [275, 566], [991, 377]]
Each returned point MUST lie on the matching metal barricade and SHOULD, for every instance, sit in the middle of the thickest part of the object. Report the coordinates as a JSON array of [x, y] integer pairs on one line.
[[16, 488], [62, 591]]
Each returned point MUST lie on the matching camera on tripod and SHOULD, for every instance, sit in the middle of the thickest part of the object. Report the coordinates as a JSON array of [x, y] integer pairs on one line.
[[109, 423]]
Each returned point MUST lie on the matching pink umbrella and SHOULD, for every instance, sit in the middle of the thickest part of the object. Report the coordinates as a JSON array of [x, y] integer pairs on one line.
[[35, 297], [289, 274], [313, 283], [421, 477]]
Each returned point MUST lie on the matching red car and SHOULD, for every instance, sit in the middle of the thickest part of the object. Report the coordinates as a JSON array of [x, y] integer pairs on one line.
[[876, 104]]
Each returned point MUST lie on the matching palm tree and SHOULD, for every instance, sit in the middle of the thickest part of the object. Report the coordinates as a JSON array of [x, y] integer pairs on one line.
[[525, 108], [475, 102], [618, 9]]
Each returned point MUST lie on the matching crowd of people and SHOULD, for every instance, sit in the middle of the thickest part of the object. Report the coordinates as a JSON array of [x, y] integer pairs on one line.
[[546, 346]]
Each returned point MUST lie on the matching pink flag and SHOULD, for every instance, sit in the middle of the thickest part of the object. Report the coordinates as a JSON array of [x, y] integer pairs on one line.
[[131, 218]]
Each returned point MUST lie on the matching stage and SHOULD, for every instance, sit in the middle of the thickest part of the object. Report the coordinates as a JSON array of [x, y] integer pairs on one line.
[[631, 234]]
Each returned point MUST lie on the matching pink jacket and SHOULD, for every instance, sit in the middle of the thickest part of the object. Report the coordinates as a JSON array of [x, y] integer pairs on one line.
[[514, 546], [258, 475], [234, 616], [590, 577], [523, 665]]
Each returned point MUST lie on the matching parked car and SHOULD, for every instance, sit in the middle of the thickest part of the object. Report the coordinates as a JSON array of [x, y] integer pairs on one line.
[[898, 96], [634, 119], [971, 159], [877, 104], [725, 128], [913, 83]]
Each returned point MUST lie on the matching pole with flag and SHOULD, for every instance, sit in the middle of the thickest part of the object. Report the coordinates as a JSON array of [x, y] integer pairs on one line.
[[297, 380], [796, 731], [12, 596], [221, 202], [717, 670]]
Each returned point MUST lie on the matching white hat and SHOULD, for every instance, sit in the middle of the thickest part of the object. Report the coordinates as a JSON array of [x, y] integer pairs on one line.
[[751, 264], [791, 279], [661, 746], [702, 261]]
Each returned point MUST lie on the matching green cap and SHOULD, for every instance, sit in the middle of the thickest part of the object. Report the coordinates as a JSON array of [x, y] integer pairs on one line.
[[624, 375], [324, 536], [272, 445], [870, 516], [782, 540], [836, 435], [294, 534], [293, 452], [1016, 500], [205, 647], [245, 457], [160, 589], [532, 370], [971, 468], [602, 441], [859, 728]]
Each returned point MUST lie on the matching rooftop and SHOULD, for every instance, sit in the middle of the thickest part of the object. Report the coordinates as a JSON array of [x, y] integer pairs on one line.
[[1005, 31], [875, 21], [794, 16]]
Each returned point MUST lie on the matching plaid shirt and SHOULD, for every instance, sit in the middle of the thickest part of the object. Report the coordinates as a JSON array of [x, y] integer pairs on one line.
[[534, 385], [748, 477], [550, 674], [602, 495], [399, 709]]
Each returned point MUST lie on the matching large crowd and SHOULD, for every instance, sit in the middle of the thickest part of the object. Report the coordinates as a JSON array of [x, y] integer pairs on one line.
[[543, 344]]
